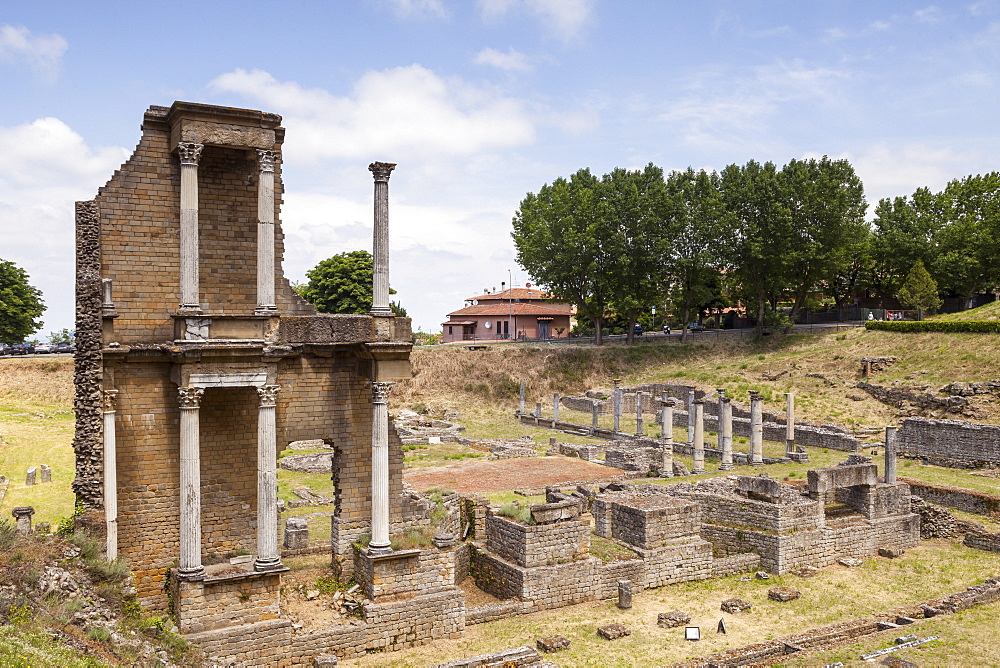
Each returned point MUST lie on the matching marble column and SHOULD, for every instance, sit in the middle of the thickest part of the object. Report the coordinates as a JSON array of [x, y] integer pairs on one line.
[[595, 413], [690, 411], [380, 469], [789, 423], [617, 404], [189, 566], [110, 475], [890, 455], [555, 409], [520, 405], [380, 240], [726, 435], [699, 438], [640, 428], [268, 556], [718, 414], [265, 233], [189, 155], [666, 418], [756, 430]]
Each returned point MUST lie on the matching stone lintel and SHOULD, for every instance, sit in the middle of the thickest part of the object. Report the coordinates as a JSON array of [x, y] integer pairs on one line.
[[222, 126], [242, 576], [389, 556]]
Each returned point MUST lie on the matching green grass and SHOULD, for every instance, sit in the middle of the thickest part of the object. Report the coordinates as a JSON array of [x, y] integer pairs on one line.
[[989, 311]]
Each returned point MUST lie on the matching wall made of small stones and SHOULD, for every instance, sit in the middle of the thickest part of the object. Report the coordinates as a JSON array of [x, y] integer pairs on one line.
[[495, 576], [989, 542], [207, 605], [683, 560], [804, 515], [953, 443], [263, 644], [609, 574], [737, 563], [652, 527], [538, 545], [969, 501], [425, 572]]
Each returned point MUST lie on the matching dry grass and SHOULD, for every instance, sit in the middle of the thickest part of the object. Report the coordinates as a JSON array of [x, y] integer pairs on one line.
[[35, 379]]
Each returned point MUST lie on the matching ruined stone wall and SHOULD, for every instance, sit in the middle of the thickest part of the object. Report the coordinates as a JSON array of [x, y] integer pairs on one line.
[[649, 523], [425, 571], [681, 560], [979, 503], [538, 545], [737, 563], [982, 540], [753, 514], [218, 603], [952, 443]]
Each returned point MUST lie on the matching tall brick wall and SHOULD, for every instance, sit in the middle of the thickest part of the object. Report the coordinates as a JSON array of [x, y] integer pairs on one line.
[[953, 443]]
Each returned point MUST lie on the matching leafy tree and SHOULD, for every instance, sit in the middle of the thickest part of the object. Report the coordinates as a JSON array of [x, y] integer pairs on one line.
[[62, 336], [904, 232], [343, 284], [560, 236], [968, 240], [919, 290], [21, 304]]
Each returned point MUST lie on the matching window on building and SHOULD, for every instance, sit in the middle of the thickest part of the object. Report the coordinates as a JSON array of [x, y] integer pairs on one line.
[[449, 329]]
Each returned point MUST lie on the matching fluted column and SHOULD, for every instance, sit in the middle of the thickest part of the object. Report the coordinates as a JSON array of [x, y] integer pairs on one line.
[[380, 240], [726, 434], [265, 233], [667, 436], [789, 423], [690, 409], [718, 414], [640, 428], [616, 405], [756, 430], [699, 438], [190, 559], [268, 556], [380, 469], [110, 474], [189, 155], [890, 455]]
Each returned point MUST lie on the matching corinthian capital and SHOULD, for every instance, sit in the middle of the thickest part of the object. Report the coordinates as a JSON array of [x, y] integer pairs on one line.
[[265, 160], [268, 395], [381, 170], [380, 392], [189, 397], [189, 153], [108, 398]]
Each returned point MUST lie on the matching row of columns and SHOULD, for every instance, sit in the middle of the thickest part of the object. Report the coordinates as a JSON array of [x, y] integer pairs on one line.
[[189, 155]]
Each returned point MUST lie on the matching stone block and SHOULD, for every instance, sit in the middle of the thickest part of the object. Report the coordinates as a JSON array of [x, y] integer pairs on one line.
[[672, 619], [325, 661], [625, 594], [822, 483], [613, 631], [552, 643], [759, 488], [891, 552], [547, 513], [31, 475], [735, 605], [46, 473], [783, 594], [850, 562], [296, 533]]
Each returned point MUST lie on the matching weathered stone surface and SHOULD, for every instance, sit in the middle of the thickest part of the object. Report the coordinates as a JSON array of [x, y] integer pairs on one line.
[[613, 631], [783, 594], [850, 562], [320, 462], [891, 552], [762, 575], [672, 619], [552, 643], [625, 594], [735, 605], [935, 522]]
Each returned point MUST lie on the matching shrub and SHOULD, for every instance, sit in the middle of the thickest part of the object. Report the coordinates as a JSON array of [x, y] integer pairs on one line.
[[516, 512], [943, 326]]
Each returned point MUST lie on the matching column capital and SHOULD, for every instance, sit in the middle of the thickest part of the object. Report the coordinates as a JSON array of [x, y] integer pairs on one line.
[[381, 170], [380, 392], [190, 397], [189, 153], [266, 160], [108, 398], [268, 395]]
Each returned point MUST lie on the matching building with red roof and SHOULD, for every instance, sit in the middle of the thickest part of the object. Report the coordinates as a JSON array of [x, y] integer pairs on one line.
[[521, 313]]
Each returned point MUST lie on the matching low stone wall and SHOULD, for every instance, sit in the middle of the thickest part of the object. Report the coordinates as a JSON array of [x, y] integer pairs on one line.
[[989, 542], [952, 443], [681, 560], [969, 501], [540, 544], [403, 572], [649, 522], [493, 611], [737, 563], [218, 602], [800, 516]]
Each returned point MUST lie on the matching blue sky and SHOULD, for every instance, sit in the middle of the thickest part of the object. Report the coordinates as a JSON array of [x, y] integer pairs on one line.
[[480, 102]]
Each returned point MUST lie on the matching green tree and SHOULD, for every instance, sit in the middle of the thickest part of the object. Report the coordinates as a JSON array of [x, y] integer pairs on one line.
[[21, 304], [560, 236], [62, 336], [919, 290], [904, 231], [343, 284], [968, 240]]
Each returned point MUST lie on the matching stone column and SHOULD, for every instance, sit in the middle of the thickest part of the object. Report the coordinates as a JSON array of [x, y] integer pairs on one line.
[[555, 409], [45, 471], [718, 414], [520, 405], [31, 476], [726, 435], [756, 430], [189, 566], [189, 155], [22, 519], [617, 404], [380, 469], [380, 241], [265, 233], [595, 412], [789, 423], [625, 594], [690, 408], [890, 455], [666, 417], [639, 427], [268, 556], [699, 437], [110, 475]]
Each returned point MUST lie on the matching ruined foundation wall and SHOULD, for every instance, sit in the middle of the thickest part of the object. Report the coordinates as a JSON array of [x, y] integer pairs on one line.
[[970, 501], [952, 443], [538, 545]]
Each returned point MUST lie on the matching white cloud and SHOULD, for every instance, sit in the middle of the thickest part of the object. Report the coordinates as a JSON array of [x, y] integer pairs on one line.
[[405, 9], [931, 14], [396, 113], [566, 19], [41, 53], [511, 60]]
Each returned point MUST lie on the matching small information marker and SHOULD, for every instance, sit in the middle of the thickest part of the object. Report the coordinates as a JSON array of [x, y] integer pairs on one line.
[[692, 633], [722, 626]]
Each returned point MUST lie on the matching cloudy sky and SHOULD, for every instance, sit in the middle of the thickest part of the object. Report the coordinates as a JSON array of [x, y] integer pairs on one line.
[[480, 102]]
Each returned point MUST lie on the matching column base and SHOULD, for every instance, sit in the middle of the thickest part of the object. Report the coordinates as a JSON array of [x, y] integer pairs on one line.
[[379, 550], [756, 463], [381, 312], [189, 309], [190, 574], [266, 565], [266, 310], [697, 471], [726, 467]]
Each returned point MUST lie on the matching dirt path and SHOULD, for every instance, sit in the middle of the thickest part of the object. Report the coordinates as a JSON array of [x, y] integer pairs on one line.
[[504, 474]]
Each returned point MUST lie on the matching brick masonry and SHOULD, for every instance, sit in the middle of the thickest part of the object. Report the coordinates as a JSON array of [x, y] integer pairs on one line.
[[953, 443]]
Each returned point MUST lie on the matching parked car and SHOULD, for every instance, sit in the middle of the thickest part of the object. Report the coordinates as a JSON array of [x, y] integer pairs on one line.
[[21, 349], [696, 327], [4, 349], [44, 348], [64, 348]]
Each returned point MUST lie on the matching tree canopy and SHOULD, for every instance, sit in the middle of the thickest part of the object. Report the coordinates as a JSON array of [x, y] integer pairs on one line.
[[21, 305], [343, 284]]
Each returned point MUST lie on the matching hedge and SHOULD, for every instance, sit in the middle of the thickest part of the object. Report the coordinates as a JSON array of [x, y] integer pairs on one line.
[[948, 326]]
